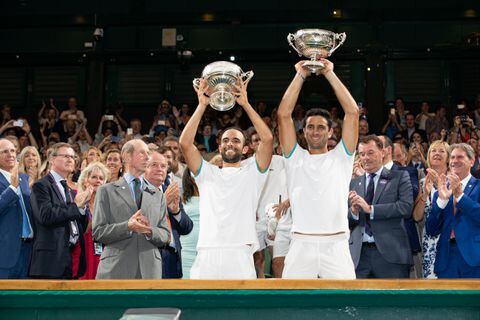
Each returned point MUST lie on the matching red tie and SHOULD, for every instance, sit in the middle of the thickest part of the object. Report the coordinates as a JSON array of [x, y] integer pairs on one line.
[[452, 233]]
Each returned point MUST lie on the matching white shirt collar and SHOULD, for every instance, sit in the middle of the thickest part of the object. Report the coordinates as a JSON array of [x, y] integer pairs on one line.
[[389, 165], [465, 181], [57, 177]]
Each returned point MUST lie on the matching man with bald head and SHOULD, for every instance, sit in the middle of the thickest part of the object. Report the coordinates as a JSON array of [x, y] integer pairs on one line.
[[130, 220], [228, 196], [15, 216], [178, 221]]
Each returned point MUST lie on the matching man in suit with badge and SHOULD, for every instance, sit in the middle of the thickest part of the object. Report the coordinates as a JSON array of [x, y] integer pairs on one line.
[[130, 220], [379, 200], [455, 216]]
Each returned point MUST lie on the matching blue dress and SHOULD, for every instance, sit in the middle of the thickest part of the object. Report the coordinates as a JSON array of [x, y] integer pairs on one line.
[[189, 242]]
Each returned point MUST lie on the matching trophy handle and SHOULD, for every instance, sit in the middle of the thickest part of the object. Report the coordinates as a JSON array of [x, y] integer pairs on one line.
[[290, 39], [338, 36], [196, 83], [247, 76]]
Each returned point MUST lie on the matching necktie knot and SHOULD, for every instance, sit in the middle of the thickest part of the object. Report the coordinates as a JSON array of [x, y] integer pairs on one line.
[[372, 175]]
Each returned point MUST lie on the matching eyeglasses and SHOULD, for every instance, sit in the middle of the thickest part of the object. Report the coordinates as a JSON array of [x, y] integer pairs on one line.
[[66, 156]]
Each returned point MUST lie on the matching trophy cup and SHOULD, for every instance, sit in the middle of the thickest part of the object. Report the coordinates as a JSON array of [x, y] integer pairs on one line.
[[315, 44], [221, 77]]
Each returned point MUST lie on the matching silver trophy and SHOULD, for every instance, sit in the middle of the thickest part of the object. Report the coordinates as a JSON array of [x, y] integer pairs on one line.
[[315, 44], [221, 77]]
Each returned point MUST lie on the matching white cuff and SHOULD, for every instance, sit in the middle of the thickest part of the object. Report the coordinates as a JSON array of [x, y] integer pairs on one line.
[[442, 203]]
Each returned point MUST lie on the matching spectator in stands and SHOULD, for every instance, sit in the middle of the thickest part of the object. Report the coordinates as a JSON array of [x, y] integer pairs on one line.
[[172, 143], [437, 123], [91, 155], [30, 163], [437, 161], [130, 220], [48, 118], [58, 220], [164, 113], [178, 221], [182, 116], [410, 127], [92, 177], [82, 137], [455, 217], [400, 112], [207, 138], [113, 162], [16, 224], [108, 130], [6, 114], [73, 113], [379, 244], [363, 129], [191, 205], [392, 126], [136, 127], [423, 116]]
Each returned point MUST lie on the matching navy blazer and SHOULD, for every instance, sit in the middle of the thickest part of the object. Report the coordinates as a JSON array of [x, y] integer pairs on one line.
[[172, 258], [465, 223], [410, 224], [51, 256], [11, 220]]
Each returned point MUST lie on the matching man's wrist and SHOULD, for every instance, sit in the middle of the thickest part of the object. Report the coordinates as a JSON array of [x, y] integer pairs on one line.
[[301, 76]]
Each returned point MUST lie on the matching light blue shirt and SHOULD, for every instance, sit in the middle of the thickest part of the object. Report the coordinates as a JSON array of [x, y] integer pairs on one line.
[[129, 178], [57, 179]]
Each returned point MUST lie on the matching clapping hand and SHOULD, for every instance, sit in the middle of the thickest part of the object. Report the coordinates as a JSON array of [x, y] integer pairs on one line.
[[172, 195], [139, 223], [83, 197]]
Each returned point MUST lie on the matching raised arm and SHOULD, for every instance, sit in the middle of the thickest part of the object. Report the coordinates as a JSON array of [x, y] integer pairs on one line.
[[265, 148], [350, 108], [187, 139], [286, 127]]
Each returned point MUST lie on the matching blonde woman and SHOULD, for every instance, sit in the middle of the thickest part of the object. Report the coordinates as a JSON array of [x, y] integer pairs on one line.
[[93, 176], [93, 154], [113, 161], [438, 157], [30, 163]]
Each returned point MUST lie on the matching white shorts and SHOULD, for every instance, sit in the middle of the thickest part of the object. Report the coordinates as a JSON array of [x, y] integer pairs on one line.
[[281, 243], [229, 263], [261, 228], [312, 257]]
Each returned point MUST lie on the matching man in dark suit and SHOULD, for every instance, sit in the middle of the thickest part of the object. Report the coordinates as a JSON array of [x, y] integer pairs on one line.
[[378, 203], [16, 232], [59, 223], [455, 216], [179, 222]]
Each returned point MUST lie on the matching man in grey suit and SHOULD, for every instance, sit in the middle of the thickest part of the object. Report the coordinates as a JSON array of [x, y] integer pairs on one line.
[[130, 220], [379, 200]]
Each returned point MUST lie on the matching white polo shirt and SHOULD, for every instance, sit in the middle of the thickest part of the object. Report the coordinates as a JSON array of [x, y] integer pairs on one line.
[[318, 186], [228, 203]]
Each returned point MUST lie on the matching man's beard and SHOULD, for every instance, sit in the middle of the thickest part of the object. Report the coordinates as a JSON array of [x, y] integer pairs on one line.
[[232, 159]]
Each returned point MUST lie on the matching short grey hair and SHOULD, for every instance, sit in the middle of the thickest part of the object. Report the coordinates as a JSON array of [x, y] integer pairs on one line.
[[465, 147], [128, 147]]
